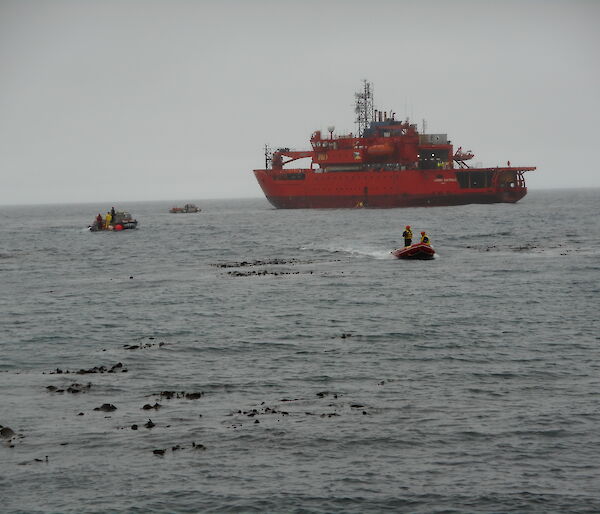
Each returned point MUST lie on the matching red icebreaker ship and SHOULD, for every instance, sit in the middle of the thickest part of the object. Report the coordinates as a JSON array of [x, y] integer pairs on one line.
[[388, 164]]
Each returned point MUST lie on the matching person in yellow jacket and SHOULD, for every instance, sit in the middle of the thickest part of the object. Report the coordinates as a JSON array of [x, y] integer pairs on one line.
[[425, 238], [108, 219], [407, 235]]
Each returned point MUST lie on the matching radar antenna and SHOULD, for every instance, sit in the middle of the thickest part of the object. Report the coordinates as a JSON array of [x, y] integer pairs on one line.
[[364, 107]]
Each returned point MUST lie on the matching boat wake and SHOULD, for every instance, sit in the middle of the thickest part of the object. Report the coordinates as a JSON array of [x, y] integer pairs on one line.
[[363, 251]]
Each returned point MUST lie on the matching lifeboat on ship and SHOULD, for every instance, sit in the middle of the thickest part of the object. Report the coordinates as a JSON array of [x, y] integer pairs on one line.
[[380, 150], [418, 251]]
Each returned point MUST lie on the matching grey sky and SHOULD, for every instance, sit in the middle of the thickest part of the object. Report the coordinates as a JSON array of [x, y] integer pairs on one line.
[[149, 100]]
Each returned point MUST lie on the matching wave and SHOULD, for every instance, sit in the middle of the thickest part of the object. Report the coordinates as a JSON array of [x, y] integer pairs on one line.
[[364, 251]]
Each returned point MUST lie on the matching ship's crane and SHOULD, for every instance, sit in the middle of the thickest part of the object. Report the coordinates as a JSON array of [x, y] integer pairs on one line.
[[292, 155]]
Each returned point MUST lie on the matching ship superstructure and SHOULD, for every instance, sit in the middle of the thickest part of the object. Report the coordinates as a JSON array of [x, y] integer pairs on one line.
[[387, 164]]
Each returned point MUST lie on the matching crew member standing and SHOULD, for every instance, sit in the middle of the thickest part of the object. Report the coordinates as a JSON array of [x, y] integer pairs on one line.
[[424, 238], [108, 219], [407, 235], [99, 224]]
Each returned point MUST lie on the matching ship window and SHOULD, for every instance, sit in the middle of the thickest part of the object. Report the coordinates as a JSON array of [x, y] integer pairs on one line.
[[433, 159], [387, 133], [474, 179]]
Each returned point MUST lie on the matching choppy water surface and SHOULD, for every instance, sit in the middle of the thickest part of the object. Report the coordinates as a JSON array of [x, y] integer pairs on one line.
[[334, 377]]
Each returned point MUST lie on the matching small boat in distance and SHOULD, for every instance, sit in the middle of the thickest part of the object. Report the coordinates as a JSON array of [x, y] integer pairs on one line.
[[122, 220], [420, 251], [187, 208]]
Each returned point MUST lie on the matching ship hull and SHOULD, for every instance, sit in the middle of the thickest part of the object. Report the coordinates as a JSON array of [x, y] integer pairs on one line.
[[307, 189]]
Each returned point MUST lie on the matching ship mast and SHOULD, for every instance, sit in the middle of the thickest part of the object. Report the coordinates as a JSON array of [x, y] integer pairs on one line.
[[364, 107], [268, 157]]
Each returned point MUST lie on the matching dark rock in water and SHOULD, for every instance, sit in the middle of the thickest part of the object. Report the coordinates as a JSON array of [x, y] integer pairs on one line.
[[73, 388], [95, 369], [142, 346], [80, 414], [323, 394], [106, 407], [158, 452], [169, 395], [134, 427], [176, 447], [117, 366], [82, 387], [156, 406], [198, 446], [6, 432], [256, 421], [150, 424], [357, 406]]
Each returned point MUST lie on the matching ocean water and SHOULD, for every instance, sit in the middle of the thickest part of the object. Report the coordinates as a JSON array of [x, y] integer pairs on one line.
[[333, 377]]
